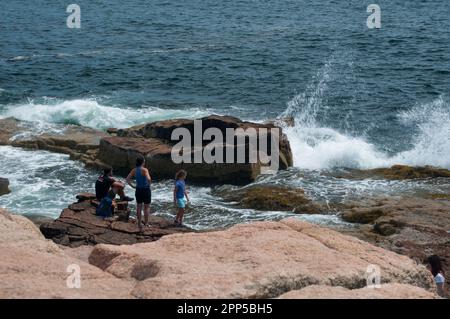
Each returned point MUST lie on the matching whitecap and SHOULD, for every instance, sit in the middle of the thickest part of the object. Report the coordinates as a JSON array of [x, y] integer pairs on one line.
[[89, 112], [19, 58]]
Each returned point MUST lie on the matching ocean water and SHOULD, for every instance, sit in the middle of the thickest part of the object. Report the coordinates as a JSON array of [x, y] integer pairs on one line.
[[362, 98]]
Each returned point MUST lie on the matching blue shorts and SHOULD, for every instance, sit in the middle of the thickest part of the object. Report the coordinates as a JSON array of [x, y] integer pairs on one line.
[[181, 202]]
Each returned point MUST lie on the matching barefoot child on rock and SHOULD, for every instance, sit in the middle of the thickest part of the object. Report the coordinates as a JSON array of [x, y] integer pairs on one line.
[[180, 196]]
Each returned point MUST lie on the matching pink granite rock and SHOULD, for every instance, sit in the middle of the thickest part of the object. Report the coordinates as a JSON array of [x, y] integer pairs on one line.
[[258, 260], [33, 267]]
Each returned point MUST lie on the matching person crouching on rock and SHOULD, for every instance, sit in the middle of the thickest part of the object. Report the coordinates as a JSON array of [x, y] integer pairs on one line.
[[143, 191], [179, 194], [435, 266], [107, 205], [105, 182]]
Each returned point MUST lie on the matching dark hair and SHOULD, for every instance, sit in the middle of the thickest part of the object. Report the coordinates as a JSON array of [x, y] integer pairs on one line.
[[107, 170], [140, 160], [435, 263], [180, 174]]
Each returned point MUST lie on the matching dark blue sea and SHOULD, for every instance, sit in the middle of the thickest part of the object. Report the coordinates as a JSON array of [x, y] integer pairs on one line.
[[362, 98]]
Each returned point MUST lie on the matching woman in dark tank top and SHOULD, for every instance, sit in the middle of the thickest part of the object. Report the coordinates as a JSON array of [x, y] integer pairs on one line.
[[143, 191]]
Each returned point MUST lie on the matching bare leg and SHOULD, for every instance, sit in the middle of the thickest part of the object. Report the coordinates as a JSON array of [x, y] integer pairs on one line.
[[139, 215], [440, 290], [146, 213], [180, 215]]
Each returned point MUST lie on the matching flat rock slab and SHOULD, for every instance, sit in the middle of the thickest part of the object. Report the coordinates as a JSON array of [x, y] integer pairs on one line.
[[81, 143], [78, 225], [153, 141], [71, 139], [257, 260]]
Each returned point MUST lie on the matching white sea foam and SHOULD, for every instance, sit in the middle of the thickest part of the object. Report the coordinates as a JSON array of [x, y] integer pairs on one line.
[[316, 146], [432, 142], [91, 113], [41, 182], [19, 58], [322, 148]]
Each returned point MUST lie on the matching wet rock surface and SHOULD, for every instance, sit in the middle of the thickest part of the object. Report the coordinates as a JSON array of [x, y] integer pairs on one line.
[[4, 186], [78, 225], [412, 226], [271, 198], [8, 128], [397, 172]]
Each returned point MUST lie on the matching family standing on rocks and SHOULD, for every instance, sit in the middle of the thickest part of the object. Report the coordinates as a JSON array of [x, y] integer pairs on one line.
[[107, 187]]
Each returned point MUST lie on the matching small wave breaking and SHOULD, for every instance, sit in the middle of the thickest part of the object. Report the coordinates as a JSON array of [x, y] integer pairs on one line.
[[89, 112]]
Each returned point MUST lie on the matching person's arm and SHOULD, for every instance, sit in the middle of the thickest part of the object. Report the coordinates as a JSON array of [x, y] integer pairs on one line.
[[186, 194], [147, 174], [175, 194], [130, 177]]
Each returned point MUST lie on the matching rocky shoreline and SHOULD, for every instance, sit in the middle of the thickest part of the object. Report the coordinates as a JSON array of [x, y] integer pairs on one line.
[[415, 227], [257, 260]]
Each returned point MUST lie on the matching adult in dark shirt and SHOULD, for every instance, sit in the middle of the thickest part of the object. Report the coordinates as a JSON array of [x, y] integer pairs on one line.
[[105, 182]]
